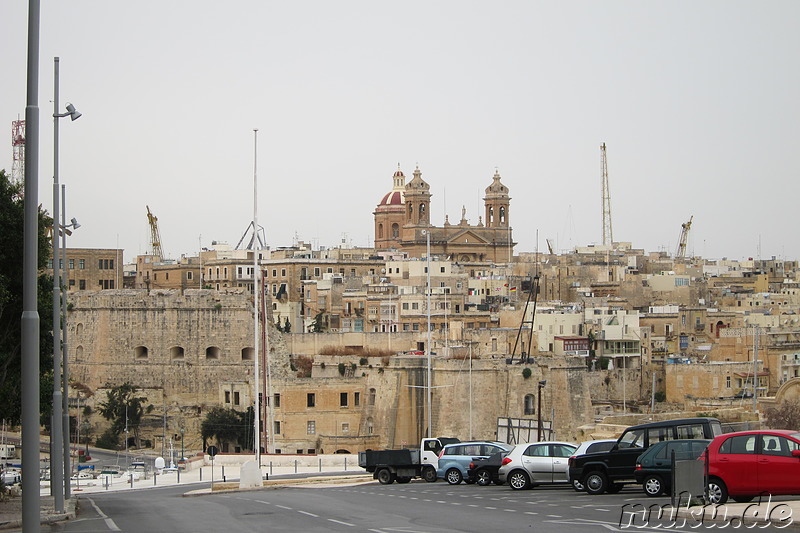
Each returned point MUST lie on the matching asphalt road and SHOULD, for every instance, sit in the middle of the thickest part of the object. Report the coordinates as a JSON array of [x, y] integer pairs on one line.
[[410, 508]]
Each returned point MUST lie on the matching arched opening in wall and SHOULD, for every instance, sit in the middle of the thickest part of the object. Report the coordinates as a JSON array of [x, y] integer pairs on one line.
[[79, 353], [212, 352], [421, 211], [395, 231], [247, 353], [370, 426], [529, 405], [176, 353], [502, 215], [140, 352], [490, 216], [342, 451], [720, 326], [79, 329], [372, 393], [380, 231]]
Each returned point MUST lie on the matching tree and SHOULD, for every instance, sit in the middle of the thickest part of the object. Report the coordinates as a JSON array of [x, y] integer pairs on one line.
[[124, 409], [227, 425], [12, 211], [318, 325], [785, 416]]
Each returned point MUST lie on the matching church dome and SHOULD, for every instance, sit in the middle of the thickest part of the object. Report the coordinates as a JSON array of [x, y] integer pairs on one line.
[[395, 197]]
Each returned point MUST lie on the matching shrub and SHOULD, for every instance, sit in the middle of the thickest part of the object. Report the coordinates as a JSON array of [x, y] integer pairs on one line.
[[303, 365], [108, 440], [660, 396], [341, 369], [526, 372], [363, 361]]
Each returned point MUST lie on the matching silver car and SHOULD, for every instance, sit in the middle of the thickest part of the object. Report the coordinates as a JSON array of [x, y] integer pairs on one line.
[[536, 463]]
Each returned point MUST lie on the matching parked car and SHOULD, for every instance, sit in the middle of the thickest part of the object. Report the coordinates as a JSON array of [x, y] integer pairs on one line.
[[654, 467], [454, 459], [536, 463], [590, 446], [483, 471], [610, 471], [745, 464]]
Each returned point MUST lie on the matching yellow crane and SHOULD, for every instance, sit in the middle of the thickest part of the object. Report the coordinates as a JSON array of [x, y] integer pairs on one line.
[[685, 227], [155, 236]]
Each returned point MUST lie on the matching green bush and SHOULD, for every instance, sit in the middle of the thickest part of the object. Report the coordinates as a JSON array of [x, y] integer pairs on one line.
[[363, 361], [526, 372], [660, 396], [341, 369], [108, 440]]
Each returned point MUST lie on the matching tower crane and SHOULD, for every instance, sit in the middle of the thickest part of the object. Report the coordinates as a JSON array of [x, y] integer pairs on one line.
[[608, 237], [155, 236], [680, 253]]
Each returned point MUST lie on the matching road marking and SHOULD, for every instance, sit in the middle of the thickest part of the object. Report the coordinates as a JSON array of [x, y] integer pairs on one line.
[[530, 512], [554, 516], [109, 522], [309, 514], [340, 522], [492, 508], [510, 510], [262, 501], [283, 507]]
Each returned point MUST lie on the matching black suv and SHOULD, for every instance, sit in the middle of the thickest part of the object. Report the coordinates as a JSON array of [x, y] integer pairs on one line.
[[610, 471]]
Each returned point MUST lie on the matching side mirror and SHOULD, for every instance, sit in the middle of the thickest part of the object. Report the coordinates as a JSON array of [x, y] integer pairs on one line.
[[795, 453]]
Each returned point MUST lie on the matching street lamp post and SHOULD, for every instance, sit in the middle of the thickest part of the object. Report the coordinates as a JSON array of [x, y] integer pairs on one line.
[[65, 359], [59, 463], [542, 383]]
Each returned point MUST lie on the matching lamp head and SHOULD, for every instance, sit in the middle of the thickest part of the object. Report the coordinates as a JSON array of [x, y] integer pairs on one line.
[[75, 224], [74, 114], [543, 383]]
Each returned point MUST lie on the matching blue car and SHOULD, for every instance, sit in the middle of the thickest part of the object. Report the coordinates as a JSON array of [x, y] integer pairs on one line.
[[454, 459]]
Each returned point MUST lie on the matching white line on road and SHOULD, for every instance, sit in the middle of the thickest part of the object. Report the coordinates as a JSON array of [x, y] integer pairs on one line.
[[109, 522], [309, 514], [340, 522], [283, 507]]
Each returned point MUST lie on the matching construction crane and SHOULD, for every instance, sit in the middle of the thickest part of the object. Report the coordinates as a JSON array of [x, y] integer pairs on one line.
[[608, 237], [550, 246], [680, 253], [155, 236]]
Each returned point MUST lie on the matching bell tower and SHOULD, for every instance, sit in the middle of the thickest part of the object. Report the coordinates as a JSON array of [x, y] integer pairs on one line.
[[496, 203], [418, 200]]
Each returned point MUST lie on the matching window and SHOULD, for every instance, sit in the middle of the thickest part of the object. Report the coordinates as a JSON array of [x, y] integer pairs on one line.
[[740, 444], [277, 430], [372, 396], [728, 382], [274, 272], [356, 399], [777, 445], [311, 427], [691, 431], [632, 439], [227, 396], [538, 450], [370, 426], [345, 428], [82, 264], [82, 284], [311, 399], [71, 264], [72, 283], [189, 276], [277, 400], [342, 399], [176, 353], [283, 272], [236, 398], [529, 405], [441, 269], [316, 271]]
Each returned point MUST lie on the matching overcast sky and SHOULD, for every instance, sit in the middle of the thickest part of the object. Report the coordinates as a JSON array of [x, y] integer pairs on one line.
[[698, 103]]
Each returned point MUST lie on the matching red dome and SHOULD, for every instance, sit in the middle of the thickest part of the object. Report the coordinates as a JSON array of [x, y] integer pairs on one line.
[[392, 198]]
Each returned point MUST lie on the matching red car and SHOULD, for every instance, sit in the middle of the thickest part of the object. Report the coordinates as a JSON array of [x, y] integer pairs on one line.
[[745, 464]]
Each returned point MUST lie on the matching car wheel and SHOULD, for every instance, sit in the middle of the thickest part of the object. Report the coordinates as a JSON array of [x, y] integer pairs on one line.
[[385, 477], [519, 480], [429, 474], [595, 482], [653, 486], [453, 476], [577, 485], [717, 491], [483, 477]]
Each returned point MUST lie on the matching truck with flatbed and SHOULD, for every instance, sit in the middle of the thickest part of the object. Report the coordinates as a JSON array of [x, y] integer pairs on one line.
[[403, 465]]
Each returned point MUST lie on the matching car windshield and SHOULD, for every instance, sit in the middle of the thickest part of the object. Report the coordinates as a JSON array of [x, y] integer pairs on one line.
[[631, 439]]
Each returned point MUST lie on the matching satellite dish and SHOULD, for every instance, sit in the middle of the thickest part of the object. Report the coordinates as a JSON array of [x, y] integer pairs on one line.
[[159, 463]]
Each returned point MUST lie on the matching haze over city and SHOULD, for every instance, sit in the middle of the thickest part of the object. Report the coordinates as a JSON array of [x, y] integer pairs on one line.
[[696, 102]]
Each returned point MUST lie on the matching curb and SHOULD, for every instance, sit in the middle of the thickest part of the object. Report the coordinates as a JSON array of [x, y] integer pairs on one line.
[[280, 483]]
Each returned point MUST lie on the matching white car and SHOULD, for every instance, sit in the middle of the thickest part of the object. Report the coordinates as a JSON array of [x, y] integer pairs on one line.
[[590, 446], [10, 477], [536, 463]]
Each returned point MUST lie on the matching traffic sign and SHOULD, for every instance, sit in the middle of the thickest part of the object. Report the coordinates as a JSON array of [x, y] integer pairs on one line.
[[212, 451]]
